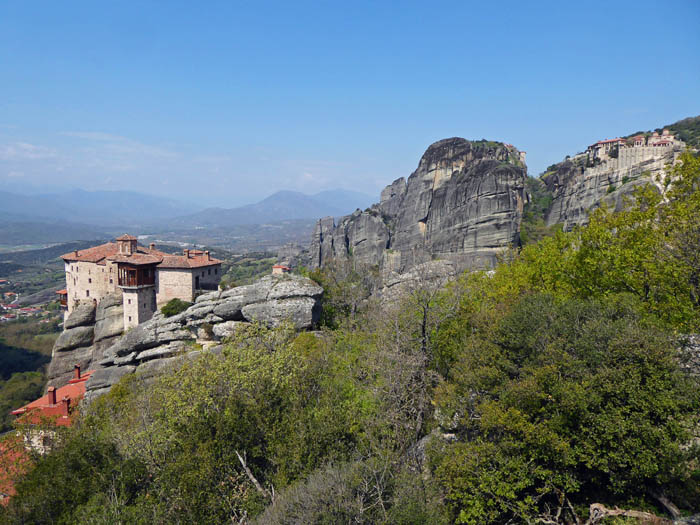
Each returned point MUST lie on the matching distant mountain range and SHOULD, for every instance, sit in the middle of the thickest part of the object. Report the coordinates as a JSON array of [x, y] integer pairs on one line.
[[87, 215], [98, 209], [283, 205]]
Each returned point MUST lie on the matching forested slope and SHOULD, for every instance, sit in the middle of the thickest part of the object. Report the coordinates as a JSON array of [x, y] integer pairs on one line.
[[523, 395]]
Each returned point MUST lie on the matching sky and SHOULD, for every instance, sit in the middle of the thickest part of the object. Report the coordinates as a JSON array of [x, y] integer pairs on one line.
[[224, 103]]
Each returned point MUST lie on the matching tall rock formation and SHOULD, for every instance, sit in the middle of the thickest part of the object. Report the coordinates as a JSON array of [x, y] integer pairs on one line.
[[578, 188], [463, 203]]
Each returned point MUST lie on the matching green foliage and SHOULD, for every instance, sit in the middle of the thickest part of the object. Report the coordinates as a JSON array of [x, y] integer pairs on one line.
[[533, 227], [174, 307], [569, 401], [611, 188], [20, 389], [521, 395]]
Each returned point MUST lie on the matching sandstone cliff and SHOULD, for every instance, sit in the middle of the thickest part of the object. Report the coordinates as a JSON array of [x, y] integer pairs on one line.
[[93, 338], [463, 203]]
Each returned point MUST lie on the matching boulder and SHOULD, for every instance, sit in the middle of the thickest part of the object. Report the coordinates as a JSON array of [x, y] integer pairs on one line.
[[110, 323], [83, 315], [227, 329], [289, 286], [106, 377], [148, 335], [303, 312], [73, 338]]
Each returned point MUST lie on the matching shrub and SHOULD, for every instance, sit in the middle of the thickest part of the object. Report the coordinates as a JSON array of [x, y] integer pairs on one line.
[[174, 307]]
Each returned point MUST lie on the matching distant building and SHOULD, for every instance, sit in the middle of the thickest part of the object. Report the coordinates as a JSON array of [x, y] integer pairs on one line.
[[146, 277], [279, 269]]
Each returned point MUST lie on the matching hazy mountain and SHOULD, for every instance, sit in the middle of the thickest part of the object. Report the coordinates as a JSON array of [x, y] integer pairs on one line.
[[97, 208], [282, 205]]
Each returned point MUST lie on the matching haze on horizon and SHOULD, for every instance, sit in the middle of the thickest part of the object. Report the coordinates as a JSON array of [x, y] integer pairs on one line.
[[227, 103]]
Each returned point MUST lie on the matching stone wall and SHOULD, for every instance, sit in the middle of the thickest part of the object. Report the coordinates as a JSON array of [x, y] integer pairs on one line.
[[82, 277], [139, 305], [174, 283]]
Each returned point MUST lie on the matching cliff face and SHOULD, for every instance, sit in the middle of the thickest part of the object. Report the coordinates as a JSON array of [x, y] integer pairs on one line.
[[577, 190], [463, 203]]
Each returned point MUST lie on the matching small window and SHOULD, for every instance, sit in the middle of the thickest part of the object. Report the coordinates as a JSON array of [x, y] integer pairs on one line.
[[202, 274], [129, 303], [144, 305], [209, 272], [111, 281], [89, 281], [129, 318], [87, 293]]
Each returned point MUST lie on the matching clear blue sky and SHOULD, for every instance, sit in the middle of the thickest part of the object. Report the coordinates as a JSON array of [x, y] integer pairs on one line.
[[226, 102]]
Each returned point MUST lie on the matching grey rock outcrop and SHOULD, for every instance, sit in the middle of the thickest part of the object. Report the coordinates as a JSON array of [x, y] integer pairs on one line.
[[87, 332], [578, 189], [463, 203], [162, 342], [73, 338]]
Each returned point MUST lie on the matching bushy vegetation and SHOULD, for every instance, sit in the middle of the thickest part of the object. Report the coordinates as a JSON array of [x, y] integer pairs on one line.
[[533, 227], [522, 395], [174, 307]]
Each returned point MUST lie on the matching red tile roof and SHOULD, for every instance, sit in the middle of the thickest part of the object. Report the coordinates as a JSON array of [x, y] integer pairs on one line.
[[200, 260], [62, 292], [138, 258], [95, 254], [110, 251], [127, 237], [40, 410]]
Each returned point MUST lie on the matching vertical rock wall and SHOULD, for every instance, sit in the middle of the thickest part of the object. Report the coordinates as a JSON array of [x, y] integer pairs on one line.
[[463, 203]]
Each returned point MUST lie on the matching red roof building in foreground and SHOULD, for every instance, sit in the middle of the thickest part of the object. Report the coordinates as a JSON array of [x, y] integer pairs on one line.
[[38, 421]]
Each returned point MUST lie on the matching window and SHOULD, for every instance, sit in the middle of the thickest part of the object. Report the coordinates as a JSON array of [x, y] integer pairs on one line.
[[87, 293], [129, 318], [111, 280], [89, 281], [129, 303], [209, 272], [202, 274]]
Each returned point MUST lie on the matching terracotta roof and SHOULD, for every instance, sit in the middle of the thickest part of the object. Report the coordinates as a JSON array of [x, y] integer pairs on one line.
[[127, 237], [62, 292], [41, 409], [284, 267], [607, 141], [94, 254], [138, 258], [194, 260]]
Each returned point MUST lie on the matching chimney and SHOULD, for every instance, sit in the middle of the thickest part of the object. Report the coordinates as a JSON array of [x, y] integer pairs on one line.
[[152, 246], [76, 253], [208, 256], [52, 395], [65, 406], [76, 372], [187, 253]]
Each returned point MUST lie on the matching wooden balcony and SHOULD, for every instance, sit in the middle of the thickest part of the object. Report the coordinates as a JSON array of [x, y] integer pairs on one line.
[[136, 277]]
